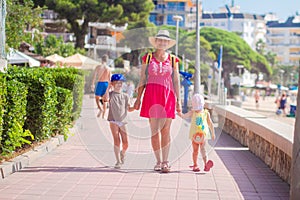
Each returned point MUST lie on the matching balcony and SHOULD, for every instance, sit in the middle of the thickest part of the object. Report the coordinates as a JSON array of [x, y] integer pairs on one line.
[[275, 35], [171, 8], [105, 40]]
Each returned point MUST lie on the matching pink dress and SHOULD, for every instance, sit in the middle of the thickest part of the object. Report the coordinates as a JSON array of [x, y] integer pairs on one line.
[[159, 99]]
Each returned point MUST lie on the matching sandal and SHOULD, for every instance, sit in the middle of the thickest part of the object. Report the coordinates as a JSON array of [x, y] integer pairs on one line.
[[208, 165], [195, 168], [165, 168], [122, 157], [157, 167], [118, 165]]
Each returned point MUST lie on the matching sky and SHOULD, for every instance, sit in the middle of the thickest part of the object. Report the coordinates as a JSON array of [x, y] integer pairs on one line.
[[282, 8]]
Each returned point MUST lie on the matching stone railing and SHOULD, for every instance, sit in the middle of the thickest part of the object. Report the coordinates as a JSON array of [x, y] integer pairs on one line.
[[269, 139]]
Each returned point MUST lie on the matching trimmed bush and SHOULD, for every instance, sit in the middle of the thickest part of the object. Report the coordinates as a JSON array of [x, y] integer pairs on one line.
[[2, 102], [72, 79], [14, 118], [41, 100], [64, 106]]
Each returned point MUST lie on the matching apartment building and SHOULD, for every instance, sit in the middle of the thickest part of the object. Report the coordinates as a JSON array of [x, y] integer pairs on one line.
[[283, 38], [55, 26], [103, 38], [165, 10], [250, 27]]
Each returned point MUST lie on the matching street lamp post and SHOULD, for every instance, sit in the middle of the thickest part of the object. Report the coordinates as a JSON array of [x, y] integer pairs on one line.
[[177, 18], [197, 59], [3, 61]]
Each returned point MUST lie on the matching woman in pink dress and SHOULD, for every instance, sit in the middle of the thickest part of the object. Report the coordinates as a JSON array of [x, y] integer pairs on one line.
[[159, 82]]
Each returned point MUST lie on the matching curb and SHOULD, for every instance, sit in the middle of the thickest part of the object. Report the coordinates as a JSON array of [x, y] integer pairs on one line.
[[9, 167]]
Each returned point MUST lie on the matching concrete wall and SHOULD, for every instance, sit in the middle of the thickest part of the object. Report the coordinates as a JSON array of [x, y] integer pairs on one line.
[[269, 139]]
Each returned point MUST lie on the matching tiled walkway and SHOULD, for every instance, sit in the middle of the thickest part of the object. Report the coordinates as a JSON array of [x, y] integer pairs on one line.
[[82, 168]]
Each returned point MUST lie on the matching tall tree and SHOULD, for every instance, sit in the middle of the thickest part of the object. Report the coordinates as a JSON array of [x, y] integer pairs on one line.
[[79, 13], [20, 15], [235, 52]]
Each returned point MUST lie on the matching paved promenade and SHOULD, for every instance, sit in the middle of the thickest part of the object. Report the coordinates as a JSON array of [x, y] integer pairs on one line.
[[82, 168], [267, 107]]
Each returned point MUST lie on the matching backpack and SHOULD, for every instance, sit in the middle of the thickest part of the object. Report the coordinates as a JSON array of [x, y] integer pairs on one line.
[[148, 58], [199, 128]]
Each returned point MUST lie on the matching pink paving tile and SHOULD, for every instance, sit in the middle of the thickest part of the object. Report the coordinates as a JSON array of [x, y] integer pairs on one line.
[[186, 194], [211, 195], [142, 196], [103, 192], [79, 162]]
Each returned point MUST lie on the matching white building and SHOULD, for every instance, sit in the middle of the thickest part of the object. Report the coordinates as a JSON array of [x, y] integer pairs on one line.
[[103, 38], [283, 38], [250, 27]]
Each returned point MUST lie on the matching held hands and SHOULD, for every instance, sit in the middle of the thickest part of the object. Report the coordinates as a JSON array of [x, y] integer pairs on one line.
[[180, 114], [178, 108], [137, 104]]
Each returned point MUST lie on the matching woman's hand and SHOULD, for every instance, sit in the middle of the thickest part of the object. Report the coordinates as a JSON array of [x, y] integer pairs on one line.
[[178, 106], [137, 104]]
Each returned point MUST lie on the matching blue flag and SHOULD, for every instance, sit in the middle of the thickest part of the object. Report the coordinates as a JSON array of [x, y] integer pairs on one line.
[[220, 57]]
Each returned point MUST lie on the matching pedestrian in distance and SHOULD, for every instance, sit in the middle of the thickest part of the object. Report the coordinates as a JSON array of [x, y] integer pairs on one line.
[[117, 117], [102, 75], [281, 104], [159, 81], [257, 97], [201, 129]]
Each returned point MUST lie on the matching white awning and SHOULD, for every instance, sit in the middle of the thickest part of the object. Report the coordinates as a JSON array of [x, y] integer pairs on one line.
[[17, 57]]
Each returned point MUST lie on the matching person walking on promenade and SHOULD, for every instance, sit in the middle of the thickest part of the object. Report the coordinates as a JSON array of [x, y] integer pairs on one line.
[[257, 97], [282, 103], [159, 81], [118, 107], [102, 74], [201, 129]]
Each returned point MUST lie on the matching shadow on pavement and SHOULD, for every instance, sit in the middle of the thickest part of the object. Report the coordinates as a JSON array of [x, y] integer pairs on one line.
[[252, 176]]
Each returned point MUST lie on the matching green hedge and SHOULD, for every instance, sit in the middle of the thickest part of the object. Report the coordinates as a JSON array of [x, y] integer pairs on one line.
[[14, 118], [2, 102], [64, 106], [41, 100], [72, 79]]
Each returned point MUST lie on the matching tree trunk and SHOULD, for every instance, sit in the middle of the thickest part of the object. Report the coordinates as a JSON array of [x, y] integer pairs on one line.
[[226, 78], [295, 175], [79, 40], [80, 31]]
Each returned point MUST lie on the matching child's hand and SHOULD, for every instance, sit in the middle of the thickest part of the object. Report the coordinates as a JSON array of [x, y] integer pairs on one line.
[[130, 109], [213, 136], [180, 114]]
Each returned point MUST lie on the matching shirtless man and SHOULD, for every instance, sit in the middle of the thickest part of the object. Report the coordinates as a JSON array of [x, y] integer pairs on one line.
[[102, 74]]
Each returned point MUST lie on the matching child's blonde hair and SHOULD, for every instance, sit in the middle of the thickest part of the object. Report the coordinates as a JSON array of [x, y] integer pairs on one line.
[[197, 102]]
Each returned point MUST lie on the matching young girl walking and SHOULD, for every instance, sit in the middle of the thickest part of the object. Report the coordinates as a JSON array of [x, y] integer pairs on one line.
[[118, 107], [201, 129]]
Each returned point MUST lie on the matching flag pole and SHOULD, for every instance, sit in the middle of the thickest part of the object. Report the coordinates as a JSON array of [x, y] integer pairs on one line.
[[220, 71]]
